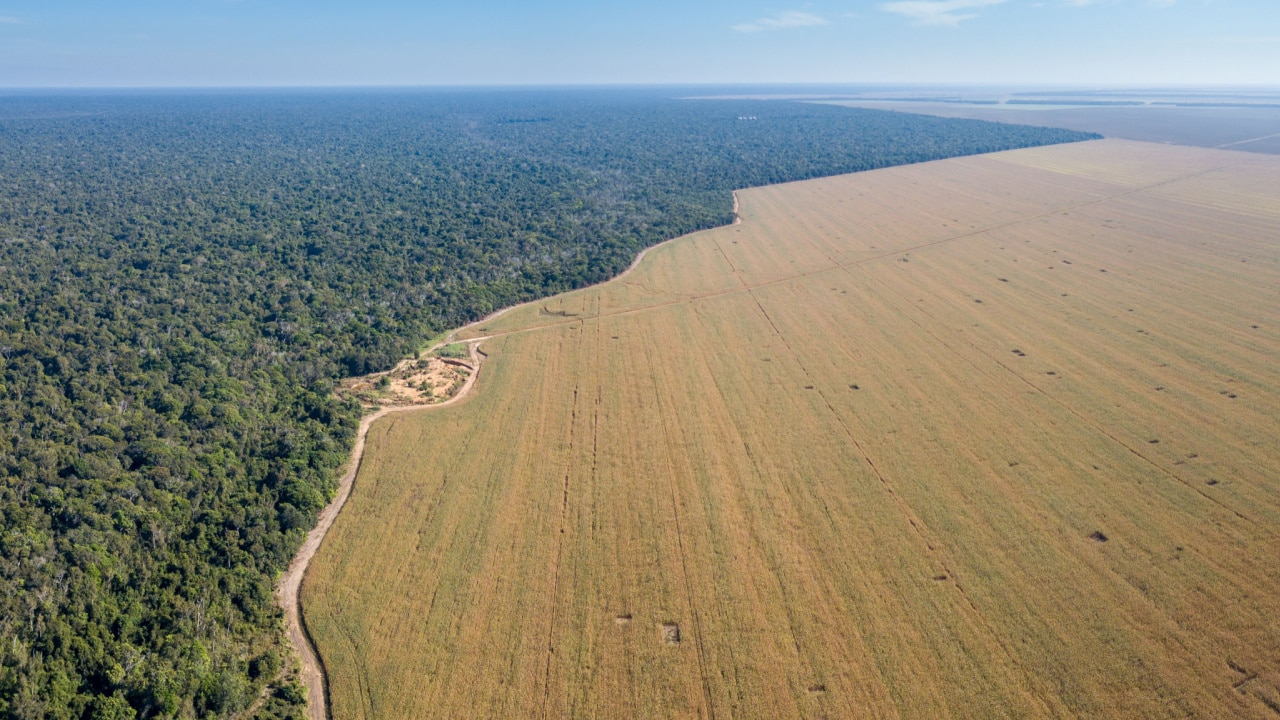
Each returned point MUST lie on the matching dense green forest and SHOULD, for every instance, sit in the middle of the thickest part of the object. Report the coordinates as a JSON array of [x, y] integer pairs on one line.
[[183, 278]]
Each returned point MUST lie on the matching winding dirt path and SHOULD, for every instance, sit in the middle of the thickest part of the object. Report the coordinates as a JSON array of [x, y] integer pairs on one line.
[[287, 590], [290, 584]]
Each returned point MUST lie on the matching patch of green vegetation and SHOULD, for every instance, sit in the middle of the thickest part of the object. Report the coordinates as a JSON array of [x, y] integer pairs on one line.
[[431, 342], [456, 351]]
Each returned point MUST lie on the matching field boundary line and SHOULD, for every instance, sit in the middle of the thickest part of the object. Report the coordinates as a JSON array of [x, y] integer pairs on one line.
[[1246, 142], [625, 272]]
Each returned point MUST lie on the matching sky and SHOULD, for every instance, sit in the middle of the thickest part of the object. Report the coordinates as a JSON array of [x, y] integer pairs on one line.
[[189, 43]]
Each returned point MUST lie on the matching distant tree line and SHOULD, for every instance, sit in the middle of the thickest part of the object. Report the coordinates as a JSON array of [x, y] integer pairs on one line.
[[183, 278]]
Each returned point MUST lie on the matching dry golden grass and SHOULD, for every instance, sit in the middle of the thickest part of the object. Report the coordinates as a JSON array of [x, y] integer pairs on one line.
[[986, 437]]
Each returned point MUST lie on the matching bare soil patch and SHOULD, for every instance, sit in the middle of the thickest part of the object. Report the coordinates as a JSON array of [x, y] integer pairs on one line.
[[416, 381]]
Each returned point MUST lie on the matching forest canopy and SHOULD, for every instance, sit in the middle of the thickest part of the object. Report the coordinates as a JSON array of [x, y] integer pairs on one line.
[[184, 277]]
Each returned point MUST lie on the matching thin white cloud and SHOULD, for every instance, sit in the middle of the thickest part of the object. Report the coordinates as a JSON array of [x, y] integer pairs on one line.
[[781, 21], [937, 12], [9, 20]]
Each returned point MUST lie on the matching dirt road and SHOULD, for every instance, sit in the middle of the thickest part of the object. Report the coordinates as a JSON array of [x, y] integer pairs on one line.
[[290, 584]]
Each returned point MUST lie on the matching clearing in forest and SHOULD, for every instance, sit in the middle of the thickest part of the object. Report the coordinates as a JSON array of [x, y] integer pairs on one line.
[[424, 380], [986, 437]]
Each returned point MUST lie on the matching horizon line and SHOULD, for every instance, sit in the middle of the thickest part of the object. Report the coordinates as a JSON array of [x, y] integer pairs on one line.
[[638, 85]]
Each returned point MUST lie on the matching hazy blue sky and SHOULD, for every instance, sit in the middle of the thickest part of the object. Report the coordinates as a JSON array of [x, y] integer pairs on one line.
[[399, 42]]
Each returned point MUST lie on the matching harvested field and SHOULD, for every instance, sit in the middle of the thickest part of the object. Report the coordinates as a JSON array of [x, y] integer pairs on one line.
[[792, 468]]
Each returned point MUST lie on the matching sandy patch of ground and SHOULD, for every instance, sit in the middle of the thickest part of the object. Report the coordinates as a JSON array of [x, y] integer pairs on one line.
[[416, 381]]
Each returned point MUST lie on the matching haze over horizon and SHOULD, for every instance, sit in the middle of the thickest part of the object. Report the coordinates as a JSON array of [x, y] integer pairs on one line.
[[245, 43]]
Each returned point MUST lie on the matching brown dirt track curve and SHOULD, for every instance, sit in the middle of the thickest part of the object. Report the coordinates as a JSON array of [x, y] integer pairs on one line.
[[287, 590]]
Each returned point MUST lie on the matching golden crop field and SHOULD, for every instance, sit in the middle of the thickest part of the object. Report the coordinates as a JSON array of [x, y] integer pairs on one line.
[[988, 437]]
